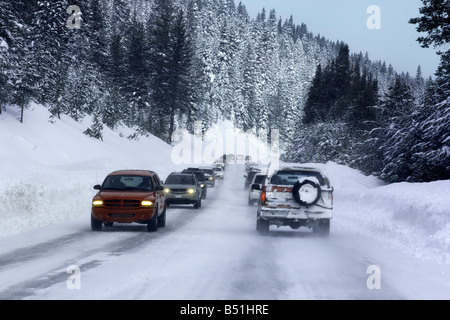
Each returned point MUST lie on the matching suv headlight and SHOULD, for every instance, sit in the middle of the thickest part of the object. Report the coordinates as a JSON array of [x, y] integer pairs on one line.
[[191, 191], [167, 190]]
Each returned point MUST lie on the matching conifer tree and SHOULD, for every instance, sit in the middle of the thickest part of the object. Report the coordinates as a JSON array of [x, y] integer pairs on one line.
[[50, 37], [136, 83], [434, 21], [8, 23]]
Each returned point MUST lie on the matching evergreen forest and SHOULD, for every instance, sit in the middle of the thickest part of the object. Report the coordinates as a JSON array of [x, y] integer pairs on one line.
[[162, 65]]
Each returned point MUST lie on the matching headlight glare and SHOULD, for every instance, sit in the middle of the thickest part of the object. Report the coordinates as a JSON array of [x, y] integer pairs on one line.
[[97, 203], [146, 203]]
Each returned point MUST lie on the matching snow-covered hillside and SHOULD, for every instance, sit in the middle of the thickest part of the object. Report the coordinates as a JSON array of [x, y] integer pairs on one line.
[[47, 171]]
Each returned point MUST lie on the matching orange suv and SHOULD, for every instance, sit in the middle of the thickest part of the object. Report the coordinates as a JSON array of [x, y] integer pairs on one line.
[[129, 196]]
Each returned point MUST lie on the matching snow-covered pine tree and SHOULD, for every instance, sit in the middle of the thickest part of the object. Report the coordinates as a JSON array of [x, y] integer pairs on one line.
[[8, 30], [399, 136], [95, 131], [136, 87], [181, 73], [171, 58], [432, 155], [50, 37]]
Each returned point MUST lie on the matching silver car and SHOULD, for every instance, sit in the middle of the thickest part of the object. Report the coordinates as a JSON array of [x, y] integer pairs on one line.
[[218, 172], [183, 188]]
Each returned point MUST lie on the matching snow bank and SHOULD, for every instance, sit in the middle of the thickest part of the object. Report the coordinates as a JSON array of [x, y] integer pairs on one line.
[[414, 217], [47, 171]]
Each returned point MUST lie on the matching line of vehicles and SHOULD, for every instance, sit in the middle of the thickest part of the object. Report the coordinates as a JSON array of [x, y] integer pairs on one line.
[[140, 196], [292, 195]]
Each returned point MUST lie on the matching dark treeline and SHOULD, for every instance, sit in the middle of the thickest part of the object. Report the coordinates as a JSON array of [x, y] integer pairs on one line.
[[161, 65]]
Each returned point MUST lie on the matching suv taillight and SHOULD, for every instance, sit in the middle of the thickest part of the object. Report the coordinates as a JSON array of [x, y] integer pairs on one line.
[[263, 195]]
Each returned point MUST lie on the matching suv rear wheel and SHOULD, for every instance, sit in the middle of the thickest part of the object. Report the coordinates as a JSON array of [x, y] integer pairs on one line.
[[262, 226], [322, 228]]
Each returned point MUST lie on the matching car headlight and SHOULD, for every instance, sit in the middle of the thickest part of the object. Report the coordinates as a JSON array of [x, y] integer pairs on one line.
[[97, 203], [191, 191], [202, 185], [167, 190], [146, 203], [211, 178]]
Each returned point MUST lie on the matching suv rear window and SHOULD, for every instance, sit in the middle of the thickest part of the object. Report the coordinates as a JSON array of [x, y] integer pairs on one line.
[[128, 182], [289, 178]]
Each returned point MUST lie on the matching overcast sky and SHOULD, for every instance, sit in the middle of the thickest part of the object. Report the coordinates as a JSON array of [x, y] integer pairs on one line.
[[347, 20]]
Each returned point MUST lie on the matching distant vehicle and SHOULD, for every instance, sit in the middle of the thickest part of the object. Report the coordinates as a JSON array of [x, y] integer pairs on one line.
[[254, 194], [183, 188], [228, 158], [218, 172], [296, 196], [251, 165], [249, 177], [220, 164], [200, 175], [209, 176], [129, 196]]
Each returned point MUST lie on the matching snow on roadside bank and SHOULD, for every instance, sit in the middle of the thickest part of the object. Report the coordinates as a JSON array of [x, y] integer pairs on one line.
[[414, 217], [47, 172]]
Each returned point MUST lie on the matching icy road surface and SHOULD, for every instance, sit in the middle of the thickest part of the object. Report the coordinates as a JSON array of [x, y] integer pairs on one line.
[[213, 253]]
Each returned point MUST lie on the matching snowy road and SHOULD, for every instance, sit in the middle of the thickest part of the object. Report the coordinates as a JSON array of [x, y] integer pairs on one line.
[[213, 253]]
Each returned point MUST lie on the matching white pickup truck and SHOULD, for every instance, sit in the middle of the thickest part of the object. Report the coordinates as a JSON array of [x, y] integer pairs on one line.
[[296, 196]]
